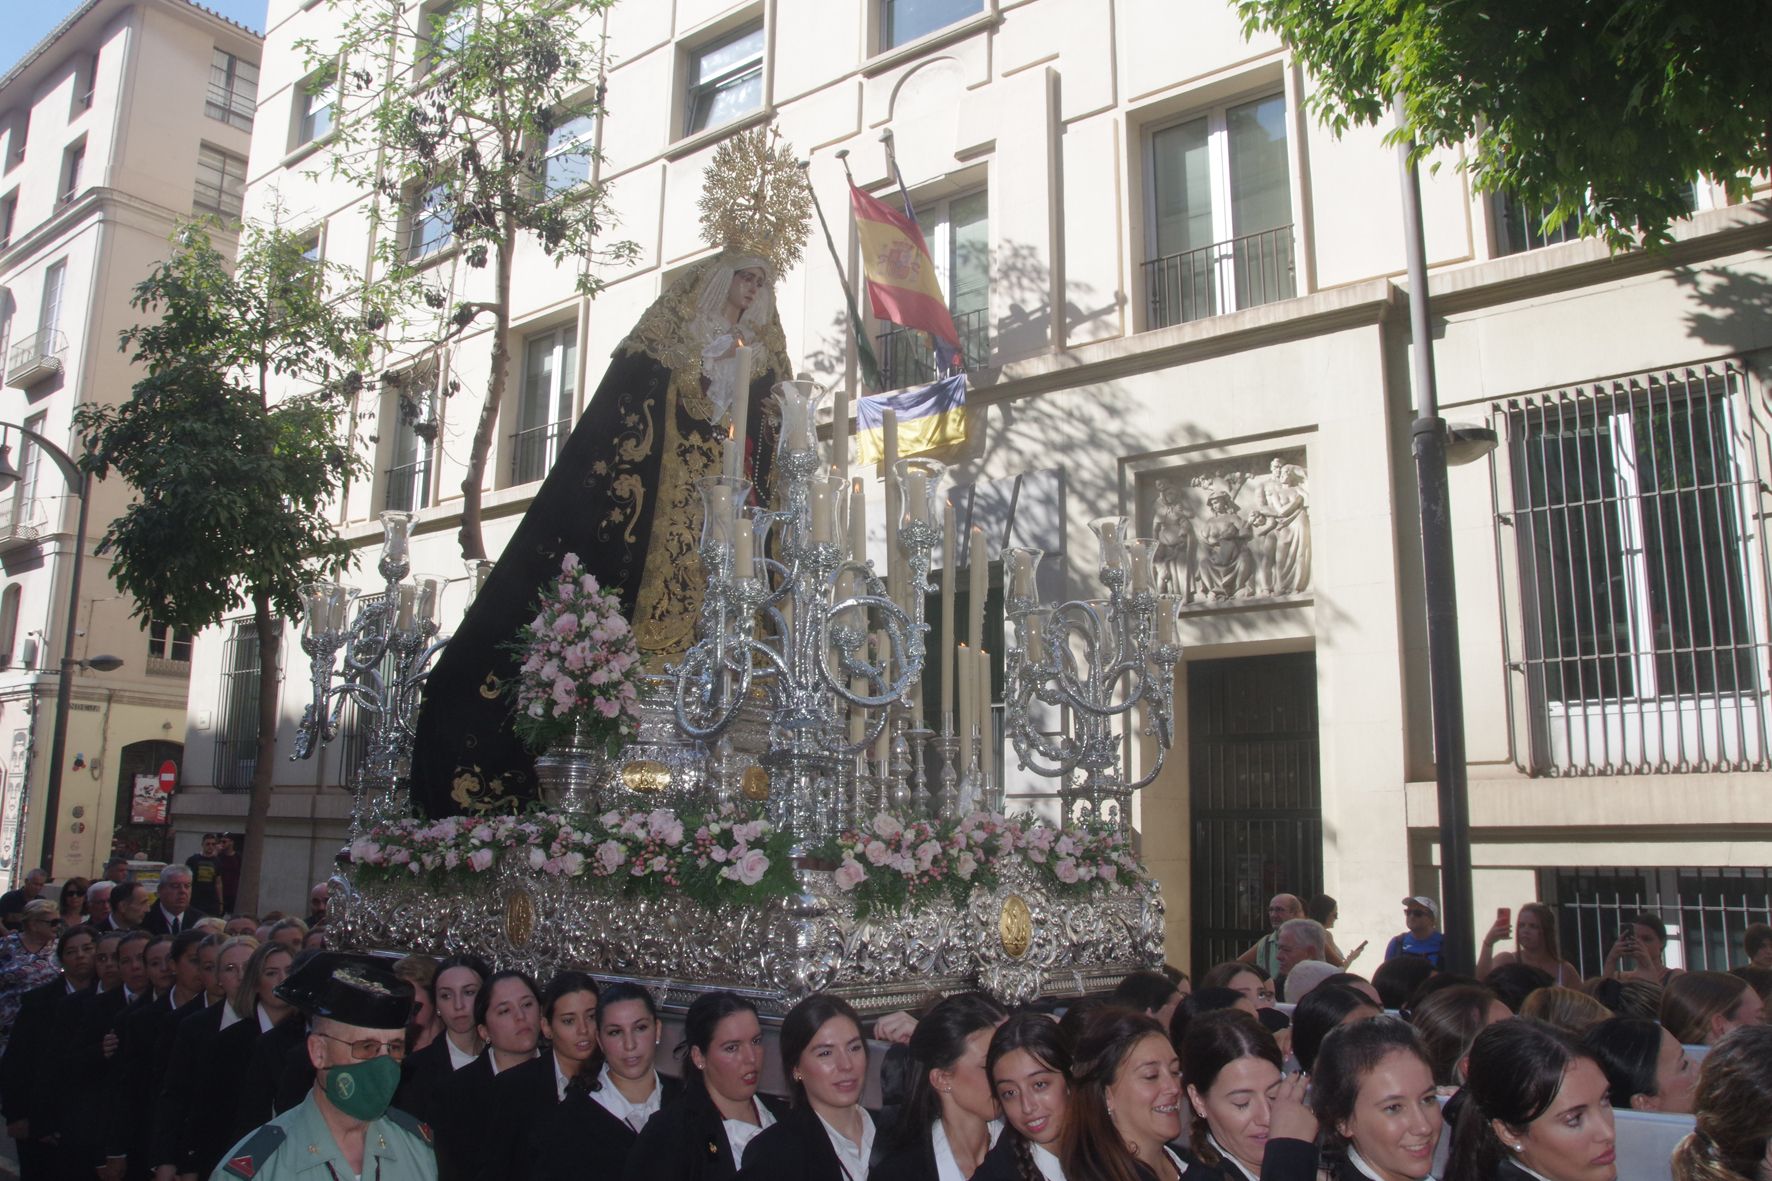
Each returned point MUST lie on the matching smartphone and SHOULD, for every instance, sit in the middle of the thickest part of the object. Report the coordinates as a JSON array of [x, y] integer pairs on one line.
[[1627, 934], [1504, 914]]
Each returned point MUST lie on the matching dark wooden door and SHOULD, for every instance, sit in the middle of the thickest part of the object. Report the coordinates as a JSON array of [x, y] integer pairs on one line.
[[1256, 800]]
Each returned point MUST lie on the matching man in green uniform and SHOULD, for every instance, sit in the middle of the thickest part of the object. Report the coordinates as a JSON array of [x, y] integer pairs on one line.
[[344, 1130]]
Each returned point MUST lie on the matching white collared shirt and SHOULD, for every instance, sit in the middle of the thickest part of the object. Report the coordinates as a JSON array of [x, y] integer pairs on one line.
[[229, 1017], [1230, 1160], [492, 1060], [265, 1024], [174, 922], [634, 1115], [946, 1167], [1049, 1165], [1365, 1170], [740, 1132], [562, 1080], [458, 1057], [851, 1156]]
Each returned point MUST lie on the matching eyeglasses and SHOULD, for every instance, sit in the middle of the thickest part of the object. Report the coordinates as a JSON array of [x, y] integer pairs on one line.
[[1417, 914], [371, 1047]]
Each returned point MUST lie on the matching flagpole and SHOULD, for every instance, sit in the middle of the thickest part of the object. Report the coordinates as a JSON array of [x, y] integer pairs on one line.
[[870, 365]]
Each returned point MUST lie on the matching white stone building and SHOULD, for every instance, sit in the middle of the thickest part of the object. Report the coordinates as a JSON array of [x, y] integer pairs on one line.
[[129, 116], [1168, 274]]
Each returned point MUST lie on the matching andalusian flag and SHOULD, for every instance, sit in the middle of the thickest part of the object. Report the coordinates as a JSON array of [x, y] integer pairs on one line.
[[931, 417], [901, 276]]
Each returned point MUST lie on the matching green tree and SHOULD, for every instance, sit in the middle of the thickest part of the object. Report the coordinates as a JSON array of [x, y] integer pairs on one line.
[[473, 129], [234, 477], [1604, 111]]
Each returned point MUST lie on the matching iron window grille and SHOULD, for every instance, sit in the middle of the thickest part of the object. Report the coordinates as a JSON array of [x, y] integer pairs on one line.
[[236, 733], [1627, 515], [221, 183], [1707, 911], [233, 90]]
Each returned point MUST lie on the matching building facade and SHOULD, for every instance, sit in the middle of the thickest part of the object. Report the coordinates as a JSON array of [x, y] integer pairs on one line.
[[130, 116], [1183, 301]]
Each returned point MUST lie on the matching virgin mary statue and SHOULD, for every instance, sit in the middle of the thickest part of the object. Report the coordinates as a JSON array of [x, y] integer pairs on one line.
[[622, 495]]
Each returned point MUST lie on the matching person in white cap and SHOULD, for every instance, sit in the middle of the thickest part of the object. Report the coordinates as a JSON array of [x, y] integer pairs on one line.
[[1423, 938]]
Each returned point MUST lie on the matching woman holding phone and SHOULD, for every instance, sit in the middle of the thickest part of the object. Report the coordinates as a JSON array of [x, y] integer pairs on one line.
[[1642, 941], [1535, 945]]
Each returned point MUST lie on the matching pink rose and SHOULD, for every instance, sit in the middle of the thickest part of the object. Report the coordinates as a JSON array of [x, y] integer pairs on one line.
[[662, 825], [927, 852], [965, 865], [886, 826], [877, 853], [610, 855], [718, 853], [480, 860], [365, 852], [1107, 872], [749, 869], [850, 874], [572, 864], [1066, 871]]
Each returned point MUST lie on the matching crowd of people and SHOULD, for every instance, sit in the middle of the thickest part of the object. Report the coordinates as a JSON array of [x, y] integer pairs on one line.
[[198, 1046], [129, 1017]]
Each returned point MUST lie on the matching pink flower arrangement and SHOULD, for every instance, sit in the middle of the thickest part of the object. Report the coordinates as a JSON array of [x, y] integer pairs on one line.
[[579, 664]]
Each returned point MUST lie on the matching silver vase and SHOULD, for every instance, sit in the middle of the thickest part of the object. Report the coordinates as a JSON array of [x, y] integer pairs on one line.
[[569, 775]]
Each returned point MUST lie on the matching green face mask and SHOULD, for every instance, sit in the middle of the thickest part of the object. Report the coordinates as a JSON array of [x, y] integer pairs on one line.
[[363, 1090]]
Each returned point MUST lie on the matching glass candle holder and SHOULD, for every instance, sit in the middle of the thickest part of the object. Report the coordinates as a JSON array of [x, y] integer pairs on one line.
[[919, 483], [1111, 532], [396, 529], [1141, 554], [800, 402], [1021, 569], [721, 498], [823, 495], [323, 610]]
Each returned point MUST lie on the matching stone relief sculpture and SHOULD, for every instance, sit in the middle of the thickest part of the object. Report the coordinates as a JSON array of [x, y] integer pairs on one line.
[[1231, 531]]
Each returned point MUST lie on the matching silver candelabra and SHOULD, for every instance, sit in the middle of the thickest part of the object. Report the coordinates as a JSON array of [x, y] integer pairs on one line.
[[795, 616], [386, 651], [1102, 663]]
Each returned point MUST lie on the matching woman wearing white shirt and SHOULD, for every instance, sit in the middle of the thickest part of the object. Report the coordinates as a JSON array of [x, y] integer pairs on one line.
[[949, 1121], [422, 1075], [828, 1135], [507, 1015], [703, 1134], [1374, 1095], [1125, 1101], [1029, 1067], [538, 1122]]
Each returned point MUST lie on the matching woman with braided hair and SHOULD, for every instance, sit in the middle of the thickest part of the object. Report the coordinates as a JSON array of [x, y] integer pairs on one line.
[[1030, 1070], [1733, 1137]]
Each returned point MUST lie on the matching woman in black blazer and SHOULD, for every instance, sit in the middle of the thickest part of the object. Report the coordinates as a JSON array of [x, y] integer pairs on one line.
[[703, 1134], [1029, 1065], [828, 1135], [525, 1097], [454, 987], [1536, 1106], [949, 1111], [1249, 1120], [507, 1014], [1374, 1096]]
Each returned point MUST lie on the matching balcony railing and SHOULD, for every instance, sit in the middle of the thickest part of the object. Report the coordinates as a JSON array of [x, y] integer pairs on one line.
[[21, 522], [906, 359], [533, 450], [407, 486], [1236, 273], [35, 358]]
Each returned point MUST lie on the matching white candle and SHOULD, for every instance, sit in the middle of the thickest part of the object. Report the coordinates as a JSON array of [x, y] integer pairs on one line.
[[950, 573], [916, 497], [745, 564], [978, 568], [1033, 635], [889, 432], [720, 505], [840, 432], [741, 405], [968, 703], [987, 724], [407, 597], [731, 459], [824, 493], [858, 522]]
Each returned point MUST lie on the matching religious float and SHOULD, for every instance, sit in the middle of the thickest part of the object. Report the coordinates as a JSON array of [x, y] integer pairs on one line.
[[738, 784]]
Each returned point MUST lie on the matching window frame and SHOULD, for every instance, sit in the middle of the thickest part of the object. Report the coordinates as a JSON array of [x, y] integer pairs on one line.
[[321, 82], [72, 173], [560, 400], [435, 29], [221, 192], [414, 215], [427, 375], [883, 28], [738, 74], [223, 101], [8, 218], [584, 145]]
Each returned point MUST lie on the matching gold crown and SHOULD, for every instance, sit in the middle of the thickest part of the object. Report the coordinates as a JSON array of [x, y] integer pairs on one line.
[[755, 200]]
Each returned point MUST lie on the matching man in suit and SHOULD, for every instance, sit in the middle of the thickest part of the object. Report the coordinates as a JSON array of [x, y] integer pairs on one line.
[[139, 1068], [129, 906], [173, 914], [12, 903], [48, 1061], [98, 905]]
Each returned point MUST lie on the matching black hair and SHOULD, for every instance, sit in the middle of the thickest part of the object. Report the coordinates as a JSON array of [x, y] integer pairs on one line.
[[626, 990], [563, 985], [466, 959], [938, 1042], [803, 1021], [1214, 1041], [1323, 1008], [1514, 982], [71, 932], [1630, 998], [699, 1024], [185, 942], [1448, 1021], [1516, 1072], [1344, 978], [1038, 1036], [1755, 937], [483, 999], [1435, 983], [1211, 1000], [1626, 1049], [1346, 1056], [1399, 976], [1079, 1013], [1321, 908], [1648, 918], [1145, 991]]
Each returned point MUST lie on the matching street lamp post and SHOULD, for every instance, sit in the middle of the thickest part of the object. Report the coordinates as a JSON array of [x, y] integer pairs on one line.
[[80, 482]]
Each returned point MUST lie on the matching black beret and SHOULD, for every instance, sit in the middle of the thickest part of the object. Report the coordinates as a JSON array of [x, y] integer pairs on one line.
[[355, 989]]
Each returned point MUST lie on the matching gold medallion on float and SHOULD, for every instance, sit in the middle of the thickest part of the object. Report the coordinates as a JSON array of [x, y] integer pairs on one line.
[[1015, 927], [646, 776], [519, 917], [754, 783]]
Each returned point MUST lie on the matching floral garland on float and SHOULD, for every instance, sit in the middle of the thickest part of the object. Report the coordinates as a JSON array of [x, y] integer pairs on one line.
[[892, 865], [580, 669]]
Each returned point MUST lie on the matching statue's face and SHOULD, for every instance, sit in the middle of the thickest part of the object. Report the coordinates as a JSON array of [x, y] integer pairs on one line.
[[745, 285]]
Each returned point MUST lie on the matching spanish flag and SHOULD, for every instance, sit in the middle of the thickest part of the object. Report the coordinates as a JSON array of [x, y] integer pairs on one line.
[[931, 417], [901, 279]]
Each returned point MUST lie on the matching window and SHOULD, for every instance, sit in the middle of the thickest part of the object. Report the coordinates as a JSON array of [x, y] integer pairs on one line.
[[49, 312], [1707, 910], [567, 163], [236, 737], [445, 32], [8, 216], [233, 90], [73, 164], [1632, 504], [903, 21], [958, 233], [18, 131], [30, 467], [430, 222], [9, 603], [1221, 213], [311, 248], [544, 413], [725, 79], [409, 422], [315, 105], [85, 83], [166, 642], [221, 183]]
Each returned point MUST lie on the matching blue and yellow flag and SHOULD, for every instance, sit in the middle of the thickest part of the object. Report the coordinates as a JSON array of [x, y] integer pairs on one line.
[[930, 417]]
